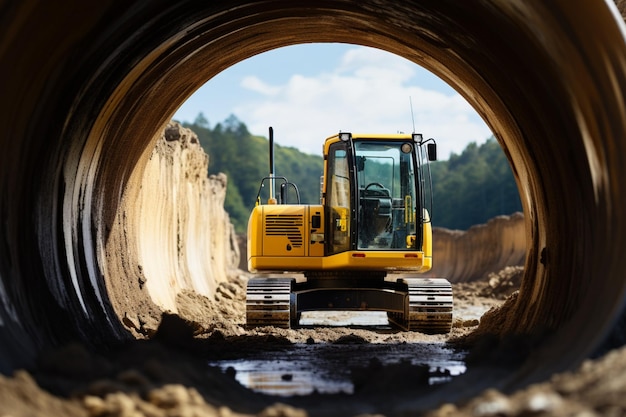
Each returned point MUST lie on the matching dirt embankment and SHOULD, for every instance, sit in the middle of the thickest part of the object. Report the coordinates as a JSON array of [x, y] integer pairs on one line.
[[171, 235], [463, 256]]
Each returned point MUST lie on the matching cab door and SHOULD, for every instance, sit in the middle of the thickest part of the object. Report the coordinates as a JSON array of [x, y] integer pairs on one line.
[[338, 199]]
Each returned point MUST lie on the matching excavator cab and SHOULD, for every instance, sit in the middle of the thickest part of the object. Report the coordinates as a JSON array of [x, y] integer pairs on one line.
[[373, 220], [380, 186]]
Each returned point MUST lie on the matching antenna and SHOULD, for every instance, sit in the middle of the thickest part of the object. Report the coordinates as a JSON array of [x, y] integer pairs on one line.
[[412, 117]]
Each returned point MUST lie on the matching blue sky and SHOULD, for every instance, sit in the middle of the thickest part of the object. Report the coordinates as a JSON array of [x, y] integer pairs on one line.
[[311, 91]]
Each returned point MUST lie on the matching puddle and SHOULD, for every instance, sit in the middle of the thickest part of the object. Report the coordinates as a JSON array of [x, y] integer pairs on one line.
[[327, 368]]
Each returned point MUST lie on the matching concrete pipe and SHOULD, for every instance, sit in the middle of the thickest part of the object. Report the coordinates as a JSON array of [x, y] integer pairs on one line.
[[85, 89]]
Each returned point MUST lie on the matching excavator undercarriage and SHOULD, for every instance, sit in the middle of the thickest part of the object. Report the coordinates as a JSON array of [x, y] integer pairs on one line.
[[411, 303]]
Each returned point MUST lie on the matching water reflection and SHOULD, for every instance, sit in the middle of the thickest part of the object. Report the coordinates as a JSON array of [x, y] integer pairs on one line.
[[332, 368]]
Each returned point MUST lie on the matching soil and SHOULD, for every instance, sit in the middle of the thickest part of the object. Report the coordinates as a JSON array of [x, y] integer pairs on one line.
[[168, 374]]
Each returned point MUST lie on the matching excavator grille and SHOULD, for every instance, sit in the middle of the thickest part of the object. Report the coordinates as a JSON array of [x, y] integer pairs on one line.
[[285, 225]]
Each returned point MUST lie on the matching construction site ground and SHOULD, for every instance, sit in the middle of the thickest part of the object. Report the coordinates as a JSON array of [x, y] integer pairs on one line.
[[177, 372]]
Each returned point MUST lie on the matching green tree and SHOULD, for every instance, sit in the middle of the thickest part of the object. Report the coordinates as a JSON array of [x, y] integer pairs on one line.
[[201, 121], [473, 187]]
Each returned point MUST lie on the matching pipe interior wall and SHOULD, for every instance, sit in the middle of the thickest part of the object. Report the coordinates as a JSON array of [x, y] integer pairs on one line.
[[87, 89]]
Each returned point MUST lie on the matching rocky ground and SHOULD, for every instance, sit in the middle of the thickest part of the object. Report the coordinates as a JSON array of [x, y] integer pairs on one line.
[[168, 375]]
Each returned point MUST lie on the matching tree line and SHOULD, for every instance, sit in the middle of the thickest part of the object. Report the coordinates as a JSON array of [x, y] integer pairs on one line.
[[468, 189], [473, 187]]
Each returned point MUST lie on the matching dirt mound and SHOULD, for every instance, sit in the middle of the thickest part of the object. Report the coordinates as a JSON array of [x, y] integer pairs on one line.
[[504, 283], [596, 388]]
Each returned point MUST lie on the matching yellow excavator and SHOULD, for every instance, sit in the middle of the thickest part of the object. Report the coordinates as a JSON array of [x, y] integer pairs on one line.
[[362, 248]]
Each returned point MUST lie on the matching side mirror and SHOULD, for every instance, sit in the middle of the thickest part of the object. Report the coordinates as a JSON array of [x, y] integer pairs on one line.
[[432, 151]]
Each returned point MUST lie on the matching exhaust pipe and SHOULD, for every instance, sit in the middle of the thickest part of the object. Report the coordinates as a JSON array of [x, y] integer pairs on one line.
[[272, 198]]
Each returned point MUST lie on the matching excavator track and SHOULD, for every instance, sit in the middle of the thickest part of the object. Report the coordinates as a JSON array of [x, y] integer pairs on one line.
[[430, 305], [268, 302]]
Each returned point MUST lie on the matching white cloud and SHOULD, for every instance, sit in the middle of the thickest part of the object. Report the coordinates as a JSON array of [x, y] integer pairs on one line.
[[372, 63], [368, 92], [255, 84]]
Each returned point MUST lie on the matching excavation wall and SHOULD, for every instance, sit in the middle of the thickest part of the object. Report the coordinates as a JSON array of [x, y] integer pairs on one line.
[[172, 233], [462, 256]]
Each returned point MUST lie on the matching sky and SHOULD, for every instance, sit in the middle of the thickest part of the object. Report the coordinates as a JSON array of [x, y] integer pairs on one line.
[[312, 91]]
